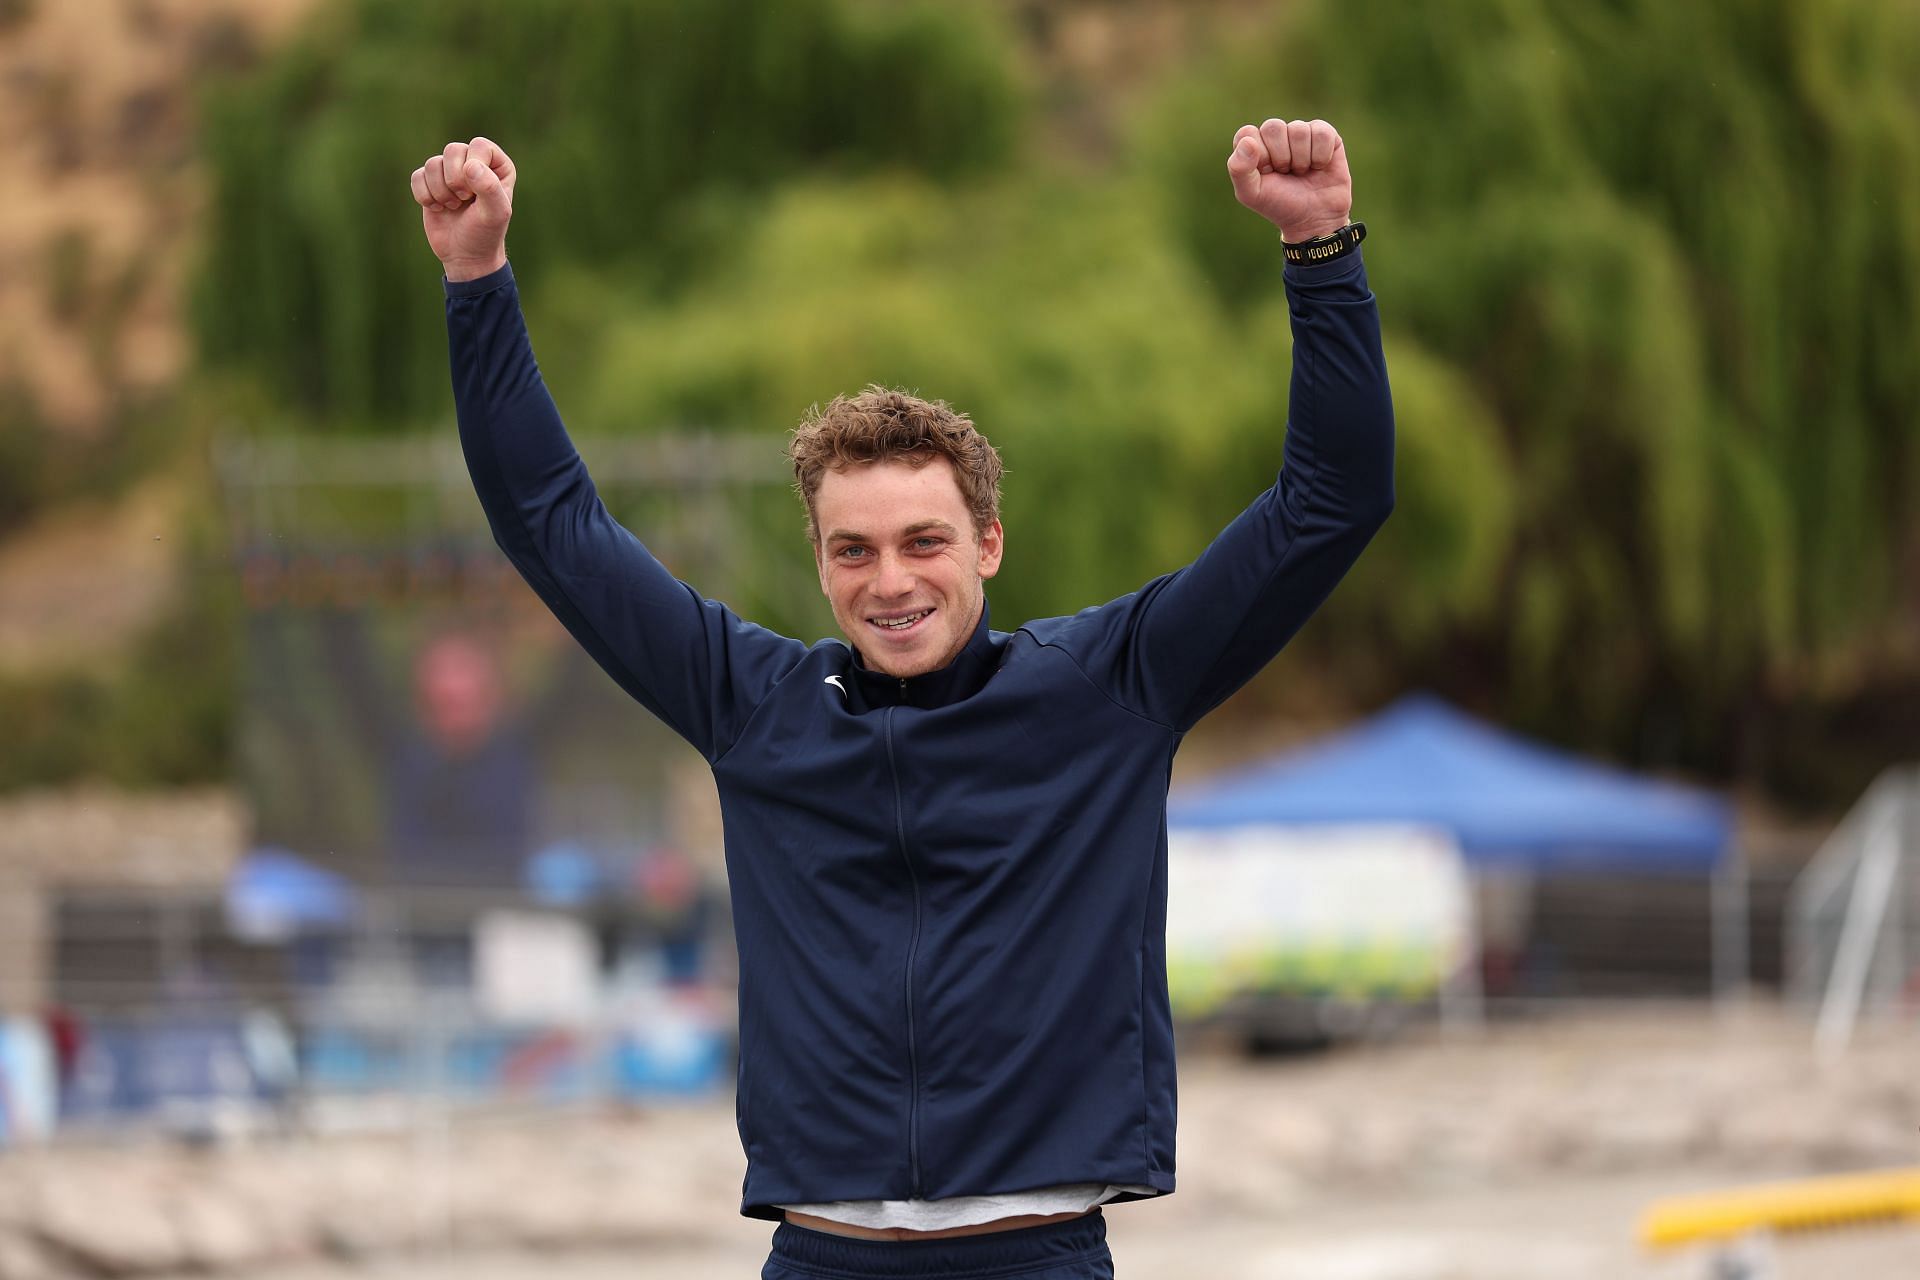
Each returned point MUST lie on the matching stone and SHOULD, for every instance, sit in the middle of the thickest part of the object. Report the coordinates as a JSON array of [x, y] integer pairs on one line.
[[115, 1231], [216, 1232], [22, 1259]]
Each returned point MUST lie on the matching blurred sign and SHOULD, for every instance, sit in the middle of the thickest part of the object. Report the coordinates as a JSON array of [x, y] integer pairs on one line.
[[1362, 913], [534, 968]]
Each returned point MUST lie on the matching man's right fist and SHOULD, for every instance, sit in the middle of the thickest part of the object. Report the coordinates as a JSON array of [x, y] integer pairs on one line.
[[466, 200]]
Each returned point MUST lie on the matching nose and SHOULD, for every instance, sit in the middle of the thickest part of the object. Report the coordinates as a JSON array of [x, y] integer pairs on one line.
[[895, 578]]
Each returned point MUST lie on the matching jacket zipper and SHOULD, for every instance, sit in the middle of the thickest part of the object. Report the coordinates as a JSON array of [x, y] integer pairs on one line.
[[913, 950]]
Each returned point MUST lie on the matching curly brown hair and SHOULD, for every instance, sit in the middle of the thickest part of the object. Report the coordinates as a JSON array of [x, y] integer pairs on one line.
[[882, 424]]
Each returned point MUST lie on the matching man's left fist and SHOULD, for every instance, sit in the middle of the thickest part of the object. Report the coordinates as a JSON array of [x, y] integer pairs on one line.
[[1294, 174]]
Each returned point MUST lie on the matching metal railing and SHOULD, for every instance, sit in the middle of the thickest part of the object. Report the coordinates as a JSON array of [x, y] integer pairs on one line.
[[1853, 927]]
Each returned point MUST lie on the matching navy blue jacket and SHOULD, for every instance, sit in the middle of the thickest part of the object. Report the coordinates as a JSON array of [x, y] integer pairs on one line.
[[949, 891]]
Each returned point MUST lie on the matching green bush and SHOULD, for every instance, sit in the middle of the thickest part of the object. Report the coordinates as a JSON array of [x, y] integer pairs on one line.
[[23, 456], [1667, 255], [1649, 275], [162, 716], [1094, 356], [622, 116]]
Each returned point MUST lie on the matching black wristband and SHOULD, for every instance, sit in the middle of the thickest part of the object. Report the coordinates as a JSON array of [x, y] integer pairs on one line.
[[1326, 248]]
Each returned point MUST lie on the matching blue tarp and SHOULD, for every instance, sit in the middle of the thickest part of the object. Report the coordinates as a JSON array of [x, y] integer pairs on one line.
[[1506, 800], [274, 894]]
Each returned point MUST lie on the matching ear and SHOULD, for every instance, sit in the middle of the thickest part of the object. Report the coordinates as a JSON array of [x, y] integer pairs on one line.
[[992, 543], [820, 566]]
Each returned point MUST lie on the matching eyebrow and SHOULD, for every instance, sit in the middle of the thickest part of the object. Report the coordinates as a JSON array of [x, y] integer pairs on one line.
[[922, 526]]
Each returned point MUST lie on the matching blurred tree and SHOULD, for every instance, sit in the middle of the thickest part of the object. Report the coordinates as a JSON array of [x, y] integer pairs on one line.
[[1003, 299], [1062, 317], [1649, 272], [160, 716], [620, 113], [1668, 253]]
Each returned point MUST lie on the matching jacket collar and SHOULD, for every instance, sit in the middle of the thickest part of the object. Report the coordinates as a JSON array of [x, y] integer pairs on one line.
[[959, 679]]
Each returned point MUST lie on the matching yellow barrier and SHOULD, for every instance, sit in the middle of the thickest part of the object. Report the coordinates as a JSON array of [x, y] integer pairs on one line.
[[1811, 1204]]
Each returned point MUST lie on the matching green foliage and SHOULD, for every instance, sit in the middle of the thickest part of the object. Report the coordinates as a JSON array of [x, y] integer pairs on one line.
[[1092, 356], [161, 710], [1668, 252], [1438, 564], [23, 456], [1006, 303], [620, 114], [69, 259], [42, 467], [162, 717], [1649, 275]]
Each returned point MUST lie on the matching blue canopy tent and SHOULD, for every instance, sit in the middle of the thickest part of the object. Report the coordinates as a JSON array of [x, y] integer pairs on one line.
[[1511, 804], [273, 894], [1506, 800]]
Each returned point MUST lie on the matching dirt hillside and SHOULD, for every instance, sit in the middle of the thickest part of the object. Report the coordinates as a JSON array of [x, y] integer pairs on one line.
[[102, 191], [96, 237]]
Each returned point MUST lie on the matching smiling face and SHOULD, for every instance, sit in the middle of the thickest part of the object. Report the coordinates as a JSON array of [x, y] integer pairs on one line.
[[900, 562]]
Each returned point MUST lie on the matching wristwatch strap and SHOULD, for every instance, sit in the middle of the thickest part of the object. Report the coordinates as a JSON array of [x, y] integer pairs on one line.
[[1326, 248]]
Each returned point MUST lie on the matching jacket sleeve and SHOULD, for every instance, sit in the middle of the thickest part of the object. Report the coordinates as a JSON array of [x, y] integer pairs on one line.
[[688, 660], [1177, 648]]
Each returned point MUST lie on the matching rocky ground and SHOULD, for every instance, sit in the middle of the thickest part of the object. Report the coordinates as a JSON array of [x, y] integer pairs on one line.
[[1531, 1149]]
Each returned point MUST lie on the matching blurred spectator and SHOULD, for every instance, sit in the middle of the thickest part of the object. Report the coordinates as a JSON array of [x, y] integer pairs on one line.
[[675, 909], [460, 782]]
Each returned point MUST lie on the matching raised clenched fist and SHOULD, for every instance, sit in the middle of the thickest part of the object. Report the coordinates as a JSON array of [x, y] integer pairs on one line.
[[466, 200], [1294, 174]]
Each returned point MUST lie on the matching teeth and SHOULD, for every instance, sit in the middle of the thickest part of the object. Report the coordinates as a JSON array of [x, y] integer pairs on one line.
[[896, 624]]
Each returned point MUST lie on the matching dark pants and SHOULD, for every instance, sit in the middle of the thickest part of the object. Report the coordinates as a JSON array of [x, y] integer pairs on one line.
[[1073, 1250]]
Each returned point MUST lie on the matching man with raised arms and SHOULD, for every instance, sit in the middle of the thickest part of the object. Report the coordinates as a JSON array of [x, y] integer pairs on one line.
[[946, 844]]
